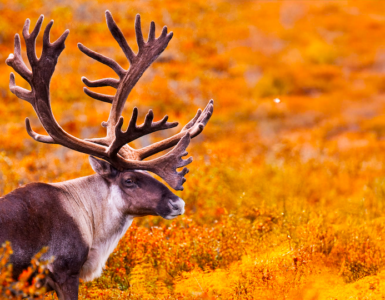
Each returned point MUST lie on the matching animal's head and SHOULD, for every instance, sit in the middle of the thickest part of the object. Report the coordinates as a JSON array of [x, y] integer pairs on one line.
[[120, 163], [140, 194]]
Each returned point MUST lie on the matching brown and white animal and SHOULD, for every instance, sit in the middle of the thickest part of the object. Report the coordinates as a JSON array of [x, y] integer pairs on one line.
[[82, 220]]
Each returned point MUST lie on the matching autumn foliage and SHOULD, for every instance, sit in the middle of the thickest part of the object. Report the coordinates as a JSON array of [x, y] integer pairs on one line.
[[29, 282], [285, 198]]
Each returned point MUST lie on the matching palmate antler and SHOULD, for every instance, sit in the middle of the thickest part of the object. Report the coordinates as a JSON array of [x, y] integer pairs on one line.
[[112, 148]]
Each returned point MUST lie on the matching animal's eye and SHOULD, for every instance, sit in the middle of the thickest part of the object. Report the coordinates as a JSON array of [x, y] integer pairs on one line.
[[129, 181]]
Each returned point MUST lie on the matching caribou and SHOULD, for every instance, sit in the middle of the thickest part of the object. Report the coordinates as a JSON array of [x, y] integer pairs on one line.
[[82, 220]]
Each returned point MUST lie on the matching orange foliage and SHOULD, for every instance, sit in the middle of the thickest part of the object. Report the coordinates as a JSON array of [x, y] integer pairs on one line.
[[29, 281], [285, 199]]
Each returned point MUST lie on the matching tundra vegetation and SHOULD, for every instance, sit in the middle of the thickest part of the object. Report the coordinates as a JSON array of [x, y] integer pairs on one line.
[[285, 199]]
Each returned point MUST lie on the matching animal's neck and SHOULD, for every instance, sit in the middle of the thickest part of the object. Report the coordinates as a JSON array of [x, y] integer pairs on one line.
[[99, 209], [98, 206]]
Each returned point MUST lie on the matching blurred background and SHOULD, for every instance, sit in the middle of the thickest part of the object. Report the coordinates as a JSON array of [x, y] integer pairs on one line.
[[287, 186]]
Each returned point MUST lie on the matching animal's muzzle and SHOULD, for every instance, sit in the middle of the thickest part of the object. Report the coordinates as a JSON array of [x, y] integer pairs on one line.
[[176, 208]]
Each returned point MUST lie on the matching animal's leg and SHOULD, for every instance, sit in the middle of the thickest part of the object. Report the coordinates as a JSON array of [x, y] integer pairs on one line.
[[69, 288]]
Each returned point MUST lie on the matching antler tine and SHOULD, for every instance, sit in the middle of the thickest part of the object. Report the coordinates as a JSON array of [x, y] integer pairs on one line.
[[98, 96], [151, 34], [16, 61], [118, 35], [47, 30], [139, 34], [103, 59], [30, 39], [101, 82], [38, 137], [19, 91]]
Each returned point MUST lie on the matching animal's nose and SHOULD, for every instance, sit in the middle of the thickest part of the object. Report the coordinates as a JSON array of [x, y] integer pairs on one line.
[[173, 206], [176, 206]]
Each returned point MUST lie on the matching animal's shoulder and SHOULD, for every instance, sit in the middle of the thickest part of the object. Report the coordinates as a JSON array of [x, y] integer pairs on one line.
[[36, 190], [34, 197]]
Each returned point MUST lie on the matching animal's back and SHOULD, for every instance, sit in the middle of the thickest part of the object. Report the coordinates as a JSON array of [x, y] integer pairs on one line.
[[32, 217]]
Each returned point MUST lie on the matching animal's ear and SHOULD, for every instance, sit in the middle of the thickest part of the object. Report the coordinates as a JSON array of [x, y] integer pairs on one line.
[[103, 168]]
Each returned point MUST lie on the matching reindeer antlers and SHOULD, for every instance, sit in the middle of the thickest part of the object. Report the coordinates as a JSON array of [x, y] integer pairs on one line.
[[148, 52], [113, 148]]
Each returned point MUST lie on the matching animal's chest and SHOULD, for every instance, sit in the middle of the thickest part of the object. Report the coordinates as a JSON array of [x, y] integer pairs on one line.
[[99, 253]]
